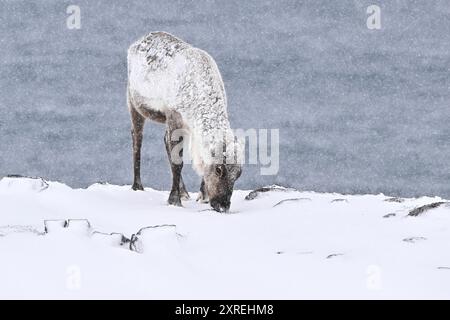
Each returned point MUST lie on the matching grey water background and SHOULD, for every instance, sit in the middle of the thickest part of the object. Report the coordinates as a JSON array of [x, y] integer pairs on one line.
[[359, 110]]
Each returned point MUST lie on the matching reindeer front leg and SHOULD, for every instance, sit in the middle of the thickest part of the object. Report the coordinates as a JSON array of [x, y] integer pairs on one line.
[[178, 190], [202, 195], [183, 191]]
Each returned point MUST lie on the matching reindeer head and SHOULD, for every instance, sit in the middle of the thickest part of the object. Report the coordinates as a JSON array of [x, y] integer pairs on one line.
[[219, 182], [221, 168]]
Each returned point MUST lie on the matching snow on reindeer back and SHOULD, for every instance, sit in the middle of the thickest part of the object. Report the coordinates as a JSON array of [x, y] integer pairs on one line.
[[19, 184], [155, 68]]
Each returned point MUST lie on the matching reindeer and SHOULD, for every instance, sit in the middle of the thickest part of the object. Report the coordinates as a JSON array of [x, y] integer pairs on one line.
[[176, 84]]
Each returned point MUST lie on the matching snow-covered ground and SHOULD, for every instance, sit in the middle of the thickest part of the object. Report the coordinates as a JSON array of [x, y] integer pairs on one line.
[[311, 246]]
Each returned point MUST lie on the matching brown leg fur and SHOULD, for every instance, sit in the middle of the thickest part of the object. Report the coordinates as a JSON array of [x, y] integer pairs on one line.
[[174, 122], [137, 122]]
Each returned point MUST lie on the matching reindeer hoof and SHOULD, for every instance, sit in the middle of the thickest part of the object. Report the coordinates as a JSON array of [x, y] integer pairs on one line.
[[174, 199], [185, 196], [137, 186], [202, 199], [175, 202]]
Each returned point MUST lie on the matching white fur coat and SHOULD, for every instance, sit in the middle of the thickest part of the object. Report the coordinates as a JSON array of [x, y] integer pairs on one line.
[[173, 75]]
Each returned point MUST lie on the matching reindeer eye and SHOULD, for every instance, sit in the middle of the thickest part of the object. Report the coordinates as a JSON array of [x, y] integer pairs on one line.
[[218, 171]]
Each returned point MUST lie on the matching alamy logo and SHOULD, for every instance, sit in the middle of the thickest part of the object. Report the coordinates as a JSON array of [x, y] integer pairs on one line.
[[373, 280], [374, 19], [251, 146], [73, 21], [73, 277]]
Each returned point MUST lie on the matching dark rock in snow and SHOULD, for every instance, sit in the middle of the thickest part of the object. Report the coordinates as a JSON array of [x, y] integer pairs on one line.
[[339, 200], [298, 252], [150, 238], [113, 239], [159, 238], [420, 210], [333, 255], [390, 215], [53, 225], [292, 200], [255, 193], [414, 239], [77, 225], [395, 199]]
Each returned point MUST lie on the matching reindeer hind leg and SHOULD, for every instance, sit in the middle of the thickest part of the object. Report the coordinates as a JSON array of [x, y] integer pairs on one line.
[[137, 122]]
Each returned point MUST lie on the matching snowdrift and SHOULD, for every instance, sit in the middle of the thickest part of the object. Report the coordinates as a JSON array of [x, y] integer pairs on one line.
[[108, 241]]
